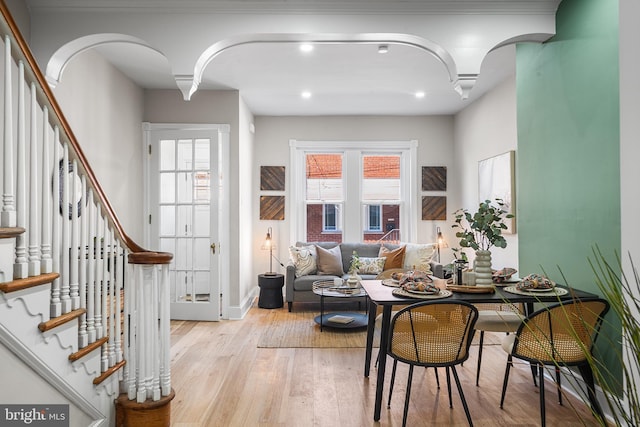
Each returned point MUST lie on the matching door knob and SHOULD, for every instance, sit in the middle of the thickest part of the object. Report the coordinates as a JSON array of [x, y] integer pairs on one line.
[[213, 248]]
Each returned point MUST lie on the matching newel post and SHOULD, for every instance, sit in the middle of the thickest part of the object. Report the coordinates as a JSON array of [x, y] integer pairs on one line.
[[146, 391]]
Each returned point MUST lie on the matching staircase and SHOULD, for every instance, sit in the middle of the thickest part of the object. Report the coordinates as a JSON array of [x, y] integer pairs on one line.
[[84, 310]]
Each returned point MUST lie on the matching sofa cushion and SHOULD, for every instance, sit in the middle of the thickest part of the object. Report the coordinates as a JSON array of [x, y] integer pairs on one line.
[[304, 259], [329, 261], [367, 250], [394, 258], [372, 266], [305, 283], [418, 256]]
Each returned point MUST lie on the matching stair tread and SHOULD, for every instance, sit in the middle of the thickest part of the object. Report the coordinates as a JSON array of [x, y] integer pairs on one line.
[[9, 232], [28, 282]]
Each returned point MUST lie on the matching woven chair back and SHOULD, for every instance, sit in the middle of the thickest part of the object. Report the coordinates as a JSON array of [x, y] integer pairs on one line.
[[433, 333], [563, 333]]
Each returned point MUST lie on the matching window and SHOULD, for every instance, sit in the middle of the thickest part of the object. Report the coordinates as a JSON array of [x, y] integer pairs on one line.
[[331, 217], [353, 191], [373, 218]]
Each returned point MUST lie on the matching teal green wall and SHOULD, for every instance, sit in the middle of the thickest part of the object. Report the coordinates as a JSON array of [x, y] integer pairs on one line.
[[568, 168], [568, 171]]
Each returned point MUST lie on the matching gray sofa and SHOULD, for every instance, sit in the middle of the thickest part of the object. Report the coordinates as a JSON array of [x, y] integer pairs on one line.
[[299, 289]]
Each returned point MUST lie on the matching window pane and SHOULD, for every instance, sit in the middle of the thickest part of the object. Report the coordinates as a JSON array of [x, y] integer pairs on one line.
[[201, 254], [315, 223], [201, 220], [184, 254], [201, 286], [202, 154], [167, 220], [324, 177], [184, 226], [167, 187], [185, 161], [202, 191], [185, 187], [389, 224], [381, 177], [167, 154]]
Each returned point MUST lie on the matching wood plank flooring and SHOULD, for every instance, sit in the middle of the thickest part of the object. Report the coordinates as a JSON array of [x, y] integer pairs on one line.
[[221, 378]]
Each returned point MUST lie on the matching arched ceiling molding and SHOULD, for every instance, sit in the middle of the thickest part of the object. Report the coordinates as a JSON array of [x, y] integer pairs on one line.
[[60, 59], [189, 86]]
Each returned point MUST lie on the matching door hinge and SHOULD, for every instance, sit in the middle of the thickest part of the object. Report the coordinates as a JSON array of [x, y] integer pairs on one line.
[[149, 149], [149, 218]]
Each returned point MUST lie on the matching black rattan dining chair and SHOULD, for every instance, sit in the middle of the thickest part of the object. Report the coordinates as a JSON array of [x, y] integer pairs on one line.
[[559, 335], [432, 334]]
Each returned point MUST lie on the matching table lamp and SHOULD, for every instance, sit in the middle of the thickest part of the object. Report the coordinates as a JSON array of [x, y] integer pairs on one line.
[[268, 244], [440, 242]]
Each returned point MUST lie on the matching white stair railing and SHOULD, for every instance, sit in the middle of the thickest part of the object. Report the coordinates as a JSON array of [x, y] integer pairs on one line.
[[72, 230]]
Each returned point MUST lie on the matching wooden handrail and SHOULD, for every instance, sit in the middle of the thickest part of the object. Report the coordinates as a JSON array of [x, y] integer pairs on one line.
[[47, 97]]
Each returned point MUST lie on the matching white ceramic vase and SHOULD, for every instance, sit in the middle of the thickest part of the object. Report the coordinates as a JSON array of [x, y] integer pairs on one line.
[[483, 268], [354, 280]]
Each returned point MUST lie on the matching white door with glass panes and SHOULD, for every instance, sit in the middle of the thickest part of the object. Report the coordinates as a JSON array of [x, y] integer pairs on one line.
[[183, 172]]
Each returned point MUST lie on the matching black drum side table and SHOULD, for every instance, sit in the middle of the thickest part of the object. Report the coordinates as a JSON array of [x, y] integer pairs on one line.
[[270, 290]]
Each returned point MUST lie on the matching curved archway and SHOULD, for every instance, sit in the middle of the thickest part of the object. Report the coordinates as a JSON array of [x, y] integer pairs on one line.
[[369, 38], [60, 59]]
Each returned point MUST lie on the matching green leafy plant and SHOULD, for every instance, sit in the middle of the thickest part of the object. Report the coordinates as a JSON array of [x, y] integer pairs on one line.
[[355, 263], [622, 292], [483, 229]]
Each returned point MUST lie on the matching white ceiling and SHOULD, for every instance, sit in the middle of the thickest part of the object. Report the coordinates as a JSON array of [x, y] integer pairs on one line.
[[343, 78]]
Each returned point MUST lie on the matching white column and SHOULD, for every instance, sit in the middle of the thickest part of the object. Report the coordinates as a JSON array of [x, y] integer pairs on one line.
[[8, 215], [65, 294], [165, 332], [91, 269], [99, 279], [21, 266], [45, 192], [74, 239], [34, 229], [56, 303], [105, 293], [83, 337]]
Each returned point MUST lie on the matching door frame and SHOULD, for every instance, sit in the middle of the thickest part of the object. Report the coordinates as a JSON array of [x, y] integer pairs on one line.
[[223, 131]]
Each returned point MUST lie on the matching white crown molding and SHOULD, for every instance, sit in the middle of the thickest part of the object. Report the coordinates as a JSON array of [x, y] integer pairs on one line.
[[304, 6]]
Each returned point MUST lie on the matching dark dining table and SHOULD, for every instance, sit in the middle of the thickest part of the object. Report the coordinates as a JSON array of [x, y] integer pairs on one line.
[[381, 295]]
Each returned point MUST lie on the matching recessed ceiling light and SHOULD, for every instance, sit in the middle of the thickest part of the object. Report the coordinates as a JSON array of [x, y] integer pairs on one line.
[[306, 47], [383, 48], [306, 94], [420, 94]]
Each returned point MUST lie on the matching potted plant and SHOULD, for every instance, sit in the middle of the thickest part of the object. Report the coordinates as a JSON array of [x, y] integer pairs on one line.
[[481, 231], [354, 279]]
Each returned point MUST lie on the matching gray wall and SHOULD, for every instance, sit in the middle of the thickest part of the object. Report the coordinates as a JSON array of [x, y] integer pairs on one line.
[[106, 120]]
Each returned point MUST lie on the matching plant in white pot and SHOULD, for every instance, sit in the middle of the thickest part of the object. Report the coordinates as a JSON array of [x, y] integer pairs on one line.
[[481, 231]]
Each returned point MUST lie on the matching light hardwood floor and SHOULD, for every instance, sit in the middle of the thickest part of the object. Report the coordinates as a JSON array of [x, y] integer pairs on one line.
[[221, 378]]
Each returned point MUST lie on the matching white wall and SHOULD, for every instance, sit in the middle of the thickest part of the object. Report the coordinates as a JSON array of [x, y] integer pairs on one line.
[[434, 134], [484, 129], [106, 119]]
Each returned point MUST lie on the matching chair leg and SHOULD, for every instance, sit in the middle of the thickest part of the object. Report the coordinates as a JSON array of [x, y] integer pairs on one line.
[[543, 417], [464, 401], [449, 387], [479, 356], [393, 380], [406, 399], [506, 380], [587, 376], [437, 378], [558, 385], [534, 373]]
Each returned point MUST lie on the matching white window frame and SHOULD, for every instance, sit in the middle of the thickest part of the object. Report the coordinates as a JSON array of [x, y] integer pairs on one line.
[[352, 218]]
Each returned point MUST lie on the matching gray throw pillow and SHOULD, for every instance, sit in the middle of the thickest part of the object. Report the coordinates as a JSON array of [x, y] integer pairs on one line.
[[329, 261]]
